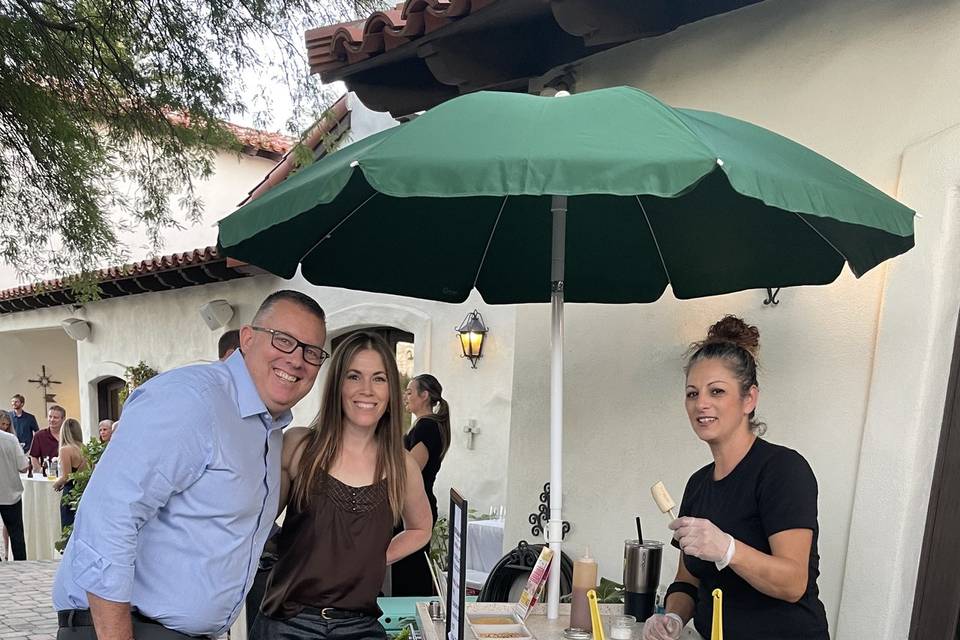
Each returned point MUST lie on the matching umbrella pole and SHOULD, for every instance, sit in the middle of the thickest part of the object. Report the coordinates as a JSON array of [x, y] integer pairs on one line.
[[558, 210]]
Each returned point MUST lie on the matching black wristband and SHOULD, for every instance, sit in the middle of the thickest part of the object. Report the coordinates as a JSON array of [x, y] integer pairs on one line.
[[682, 587]]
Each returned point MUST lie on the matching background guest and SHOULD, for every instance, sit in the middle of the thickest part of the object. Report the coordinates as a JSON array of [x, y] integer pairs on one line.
[[46, 442], [25, 424], [105, 430], [6, 426], [427, 442], [13, 462], [71, 459], [228, 343]]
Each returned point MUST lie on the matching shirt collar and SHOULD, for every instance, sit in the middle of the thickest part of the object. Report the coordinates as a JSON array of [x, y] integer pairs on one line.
[[248, 398]]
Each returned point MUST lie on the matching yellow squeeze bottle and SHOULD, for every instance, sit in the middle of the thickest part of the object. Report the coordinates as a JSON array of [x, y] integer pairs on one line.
[[716, 632], [595, 615]]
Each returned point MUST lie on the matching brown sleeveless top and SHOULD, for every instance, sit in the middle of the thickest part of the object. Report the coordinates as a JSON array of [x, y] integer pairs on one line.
[[333, 554]]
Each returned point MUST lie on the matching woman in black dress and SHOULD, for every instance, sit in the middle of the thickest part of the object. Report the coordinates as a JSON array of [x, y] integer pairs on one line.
[[427, 442]]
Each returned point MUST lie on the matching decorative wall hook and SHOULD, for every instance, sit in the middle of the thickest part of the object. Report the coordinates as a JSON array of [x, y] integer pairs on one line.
[[540, 519], [772, 296]]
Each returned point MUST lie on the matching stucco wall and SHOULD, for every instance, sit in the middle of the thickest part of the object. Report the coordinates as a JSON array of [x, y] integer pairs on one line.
[[165, 331], [859, 81], [234, 174], [24, 352]]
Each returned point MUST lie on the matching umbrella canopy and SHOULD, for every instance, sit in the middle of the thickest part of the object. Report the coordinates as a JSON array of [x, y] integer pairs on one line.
[[606, 196], [657, 195]]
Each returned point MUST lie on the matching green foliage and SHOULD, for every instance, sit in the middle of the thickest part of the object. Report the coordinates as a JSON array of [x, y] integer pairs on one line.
[[439, 541], [91, 451], [136, 376], [98, 93], [610, 592], [440, 538]]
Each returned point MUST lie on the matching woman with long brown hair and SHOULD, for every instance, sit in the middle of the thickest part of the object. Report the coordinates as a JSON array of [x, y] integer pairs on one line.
[[346, 481], [427, 441]]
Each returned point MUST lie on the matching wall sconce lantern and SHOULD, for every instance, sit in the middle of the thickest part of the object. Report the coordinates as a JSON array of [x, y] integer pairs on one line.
[[472, 332]]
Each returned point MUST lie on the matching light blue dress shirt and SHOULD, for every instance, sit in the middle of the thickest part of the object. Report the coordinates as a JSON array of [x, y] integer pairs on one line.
[[179, 507]]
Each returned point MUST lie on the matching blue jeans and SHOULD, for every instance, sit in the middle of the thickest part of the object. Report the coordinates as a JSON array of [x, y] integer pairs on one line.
[[311, 626]]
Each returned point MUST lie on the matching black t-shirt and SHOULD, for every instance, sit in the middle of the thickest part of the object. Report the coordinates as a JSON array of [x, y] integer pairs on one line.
[[427, 431], [771, 490]]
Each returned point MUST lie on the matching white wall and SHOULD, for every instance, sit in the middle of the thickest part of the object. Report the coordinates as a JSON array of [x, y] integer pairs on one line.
[[24, 352], [483, 394], [234, 174], [859, 81], [165, 330]]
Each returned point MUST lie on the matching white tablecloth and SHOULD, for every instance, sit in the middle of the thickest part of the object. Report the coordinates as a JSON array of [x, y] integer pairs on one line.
[[484, 544], [41, 518]]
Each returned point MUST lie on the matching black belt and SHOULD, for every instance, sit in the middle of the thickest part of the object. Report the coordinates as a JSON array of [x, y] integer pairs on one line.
[[75, 618], [83, 618], [332, 613]]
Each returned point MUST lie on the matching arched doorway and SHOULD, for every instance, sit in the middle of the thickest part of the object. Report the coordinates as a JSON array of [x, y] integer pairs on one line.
[[108, 398], [401, 342]]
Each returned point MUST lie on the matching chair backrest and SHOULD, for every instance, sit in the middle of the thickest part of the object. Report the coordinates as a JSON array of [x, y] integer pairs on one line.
[[509, 575]]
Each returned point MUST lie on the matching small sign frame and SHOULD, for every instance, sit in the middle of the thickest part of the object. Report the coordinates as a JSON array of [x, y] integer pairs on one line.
[[456, 566]]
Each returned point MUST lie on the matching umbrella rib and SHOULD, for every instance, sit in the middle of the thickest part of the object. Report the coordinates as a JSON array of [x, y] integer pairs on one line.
[[483, 258], [824, 238], [337, 226], [663, 262]]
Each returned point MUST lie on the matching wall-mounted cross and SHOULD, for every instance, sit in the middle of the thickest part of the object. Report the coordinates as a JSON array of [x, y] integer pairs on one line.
[[44, 382]]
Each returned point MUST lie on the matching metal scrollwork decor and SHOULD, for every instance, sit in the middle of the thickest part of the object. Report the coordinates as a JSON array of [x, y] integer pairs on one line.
[[540, 519], [772, 296]]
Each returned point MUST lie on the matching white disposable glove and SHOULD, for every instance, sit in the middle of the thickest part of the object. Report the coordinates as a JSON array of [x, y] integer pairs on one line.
[[702, 539], [662, 627]]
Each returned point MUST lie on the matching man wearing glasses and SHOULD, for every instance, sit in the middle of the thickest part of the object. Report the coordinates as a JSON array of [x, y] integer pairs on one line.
[[170, 528]]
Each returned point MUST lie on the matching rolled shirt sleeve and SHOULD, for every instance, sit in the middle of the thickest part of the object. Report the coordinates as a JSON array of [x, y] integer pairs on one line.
[[155, 454]]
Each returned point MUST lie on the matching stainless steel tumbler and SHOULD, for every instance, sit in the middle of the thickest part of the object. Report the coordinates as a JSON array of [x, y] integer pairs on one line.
[[641, 576]]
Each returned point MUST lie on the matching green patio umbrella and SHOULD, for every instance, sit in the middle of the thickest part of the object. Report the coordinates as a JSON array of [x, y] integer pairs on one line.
[[606, 196]]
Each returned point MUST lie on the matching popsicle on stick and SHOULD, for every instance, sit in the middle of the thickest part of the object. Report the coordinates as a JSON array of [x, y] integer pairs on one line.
[[662, 497]]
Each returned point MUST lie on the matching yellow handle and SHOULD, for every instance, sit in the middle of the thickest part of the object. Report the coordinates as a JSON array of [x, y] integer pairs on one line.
[[716, 633], [595, 615]]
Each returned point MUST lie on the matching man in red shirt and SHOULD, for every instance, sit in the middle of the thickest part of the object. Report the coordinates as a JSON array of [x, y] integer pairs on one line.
[[46, 442]]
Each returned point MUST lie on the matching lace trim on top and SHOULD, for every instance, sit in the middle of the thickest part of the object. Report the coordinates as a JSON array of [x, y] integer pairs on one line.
[[355, 499]]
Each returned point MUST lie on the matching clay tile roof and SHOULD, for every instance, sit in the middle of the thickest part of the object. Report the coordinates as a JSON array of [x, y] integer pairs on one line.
[[268, 143], [173, 271], [340, 45], [324, 133], [423, 52], [262, 140]]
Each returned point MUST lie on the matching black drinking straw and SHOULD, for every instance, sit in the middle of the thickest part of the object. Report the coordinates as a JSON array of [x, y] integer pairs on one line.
[[639, 532]]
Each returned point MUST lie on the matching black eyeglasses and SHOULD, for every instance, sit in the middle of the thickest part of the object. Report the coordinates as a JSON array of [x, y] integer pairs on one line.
[[285, 342]]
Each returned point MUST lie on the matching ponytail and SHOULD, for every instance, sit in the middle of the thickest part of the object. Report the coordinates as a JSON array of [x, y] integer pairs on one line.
[[441, 409]]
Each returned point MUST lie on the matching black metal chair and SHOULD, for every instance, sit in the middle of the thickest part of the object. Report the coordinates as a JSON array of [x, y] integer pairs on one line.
[[512, 571]]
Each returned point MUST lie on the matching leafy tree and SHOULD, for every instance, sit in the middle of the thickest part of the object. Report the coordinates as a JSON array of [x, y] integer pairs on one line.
[[95, 92]]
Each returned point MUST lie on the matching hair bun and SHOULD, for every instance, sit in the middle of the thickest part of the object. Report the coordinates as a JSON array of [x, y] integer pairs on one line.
[[735, 330]]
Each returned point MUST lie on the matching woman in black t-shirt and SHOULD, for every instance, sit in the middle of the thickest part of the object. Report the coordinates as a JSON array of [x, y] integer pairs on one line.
[[427, 442], [748, 520]]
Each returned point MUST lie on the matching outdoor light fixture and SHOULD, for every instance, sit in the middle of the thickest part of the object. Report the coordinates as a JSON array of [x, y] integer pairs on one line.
[[471, 332]]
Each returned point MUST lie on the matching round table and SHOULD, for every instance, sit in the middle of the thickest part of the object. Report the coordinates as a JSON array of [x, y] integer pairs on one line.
[[41, 518], [484, 544]]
